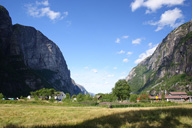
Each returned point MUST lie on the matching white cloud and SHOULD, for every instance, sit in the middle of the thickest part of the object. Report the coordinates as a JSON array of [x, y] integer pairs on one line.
[[121, 52], [169, 18], [41, 9], [153, 5], [125, 60], [136, 4], [45, 3], [129, 53], [110, 75], [49, 13], [125, 37], [145, 55], [94, 70], [150, 44], [117, 40], [136, 41]]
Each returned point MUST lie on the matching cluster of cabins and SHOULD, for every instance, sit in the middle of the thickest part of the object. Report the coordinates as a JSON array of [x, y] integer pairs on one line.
[[58, 97], [173, 96]]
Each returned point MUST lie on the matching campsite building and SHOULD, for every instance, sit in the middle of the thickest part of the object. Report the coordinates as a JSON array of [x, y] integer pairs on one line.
[[60, 96], [173, 96]]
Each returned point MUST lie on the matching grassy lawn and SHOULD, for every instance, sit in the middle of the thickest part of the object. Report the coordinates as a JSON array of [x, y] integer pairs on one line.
[[21, 115]]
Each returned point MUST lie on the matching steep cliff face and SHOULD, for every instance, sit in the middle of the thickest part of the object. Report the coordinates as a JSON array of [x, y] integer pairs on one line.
[[30, 61], [169, 67]]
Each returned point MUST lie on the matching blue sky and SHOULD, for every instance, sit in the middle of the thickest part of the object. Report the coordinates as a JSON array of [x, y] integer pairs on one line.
[[101, 40]]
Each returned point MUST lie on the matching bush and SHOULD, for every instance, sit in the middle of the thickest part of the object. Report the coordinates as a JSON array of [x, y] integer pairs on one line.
[[36, 98], [1, 96], [52, 100], [25, 98], [80, 97], [133, 98]]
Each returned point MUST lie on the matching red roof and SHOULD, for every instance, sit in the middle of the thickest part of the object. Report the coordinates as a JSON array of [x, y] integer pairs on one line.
[[178, 93]]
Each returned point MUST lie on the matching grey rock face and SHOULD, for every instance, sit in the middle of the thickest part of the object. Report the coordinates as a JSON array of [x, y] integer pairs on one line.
[[5, 24], [37, 53], [172, 57], [83, 90]]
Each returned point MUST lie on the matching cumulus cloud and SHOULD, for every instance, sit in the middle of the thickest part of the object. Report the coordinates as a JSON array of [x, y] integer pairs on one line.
[[121, 52], [172, 18], [142, 56], [125, 60], [94, 70], [45, 3], [136, 41], [136, 4], [150, 44], [117, 40], [125, 37], [129, 53], [41, 9], [153, 5]]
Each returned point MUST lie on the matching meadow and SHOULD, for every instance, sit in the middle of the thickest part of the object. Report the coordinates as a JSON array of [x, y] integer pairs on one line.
[[44, 116]]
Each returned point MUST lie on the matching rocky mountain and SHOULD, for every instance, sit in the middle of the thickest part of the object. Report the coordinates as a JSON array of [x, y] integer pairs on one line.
[[169, 67], [30, 61], [83, 90]]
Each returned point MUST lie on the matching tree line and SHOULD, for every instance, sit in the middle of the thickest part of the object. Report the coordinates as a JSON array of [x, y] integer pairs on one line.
[[120, 92]]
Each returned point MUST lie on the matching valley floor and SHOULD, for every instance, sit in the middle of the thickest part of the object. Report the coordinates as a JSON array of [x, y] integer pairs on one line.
[[39, 116]]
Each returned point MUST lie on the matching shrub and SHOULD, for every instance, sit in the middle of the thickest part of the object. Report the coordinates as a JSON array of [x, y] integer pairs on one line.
[[36, 98], [133, 98], [1, 96], [25, 98], [52, 100]]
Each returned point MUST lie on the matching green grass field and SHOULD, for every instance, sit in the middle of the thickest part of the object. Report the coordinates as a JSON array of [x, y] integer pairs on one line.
[[40, 116]]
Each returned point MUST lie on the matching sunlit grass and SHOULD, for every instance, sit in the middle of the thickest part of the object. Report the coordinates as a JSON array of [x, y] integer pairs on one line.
[[15, 115]]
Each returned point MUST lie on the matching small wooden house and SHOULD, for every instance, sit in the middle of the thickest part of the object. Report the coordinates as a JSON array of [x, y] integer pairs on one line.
[[60, 96]]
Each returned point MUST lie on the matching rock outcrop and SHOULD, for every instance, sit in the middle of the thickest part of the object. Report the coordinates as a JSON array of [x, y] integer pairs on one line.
[[30, 61], [169, 67]]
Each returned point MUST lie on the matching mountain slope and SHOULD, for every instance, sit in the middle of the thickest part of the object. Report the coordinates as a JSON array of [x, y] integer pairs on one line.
[[30, 61], [169, 67]]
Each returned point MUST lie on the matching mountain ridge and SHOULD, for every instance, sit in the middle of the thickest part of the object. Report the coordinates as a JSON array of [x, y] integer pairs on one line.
[[30, 61], [164, 66]]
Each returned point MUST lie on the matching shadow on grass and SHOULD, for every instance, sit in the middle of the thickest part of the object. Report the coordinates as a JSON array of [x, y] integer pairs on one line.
[[159, 118]]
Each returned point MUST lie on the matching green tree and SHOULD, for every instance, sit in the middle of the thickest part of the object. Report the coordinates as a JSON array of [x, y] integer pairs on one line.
[[25, 98], [44, 93], [189, 93], [88, 97], [51, 92], [36, 98], [1, 96], [67, 98], [122, 90], [73, 97], [163, 96], [80, 97], [133, 98]]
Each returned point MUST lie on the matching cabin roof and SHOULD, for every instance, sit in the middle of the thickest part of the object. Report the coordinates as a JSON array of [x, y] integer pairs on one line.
[[178, 93]]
